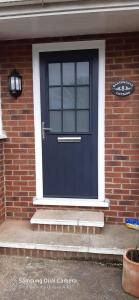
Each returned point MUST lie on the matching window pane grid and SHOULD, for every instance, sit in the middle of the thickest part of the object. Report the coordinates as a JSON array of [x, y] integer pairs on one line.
[[54, 74], [77, 113], [69, 98], [82, 72]]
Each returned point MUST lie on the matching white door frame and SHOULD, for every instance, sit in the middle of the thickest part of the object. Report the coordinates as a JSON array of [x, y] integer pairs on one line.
[[67, 46]]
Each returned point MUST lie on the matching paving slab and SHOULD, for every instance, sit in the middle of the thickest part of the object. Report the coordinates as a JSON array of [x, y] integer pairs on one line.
[[113, 240], [32, 278], [116, 236]]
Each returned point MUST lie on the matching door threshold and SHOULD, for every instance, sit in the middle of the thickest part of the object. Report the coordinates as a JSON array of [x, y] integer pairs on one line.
[[71, 202]]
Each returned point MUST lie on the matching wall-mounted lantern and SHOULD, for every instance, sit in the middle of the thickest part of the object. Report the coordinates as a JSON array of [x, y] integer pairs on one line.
[[15, 84]]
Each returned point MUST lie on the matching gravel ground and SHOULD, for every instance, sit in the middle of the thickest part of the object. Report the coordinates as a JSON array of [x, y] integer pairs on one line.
[[42, 279]]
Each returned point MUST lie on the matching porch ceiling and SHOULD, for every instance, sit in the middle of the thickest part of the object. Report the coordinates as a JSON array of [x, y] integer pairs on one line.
[[73, 20]]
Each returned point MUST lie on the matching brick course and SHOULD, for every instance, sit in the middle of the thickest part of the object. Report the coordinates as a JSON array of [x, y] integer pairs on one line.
[[66, 255], [67, 228], [121, 129]]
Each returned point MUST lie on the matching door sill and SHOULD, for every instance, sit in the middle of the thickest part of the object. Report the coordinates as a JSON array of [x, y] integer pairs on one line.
[[71, 202]]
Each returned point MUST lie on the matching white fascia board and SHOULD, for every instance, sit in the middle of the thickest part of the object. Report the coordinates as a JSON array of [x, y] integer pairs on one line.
[[93, 3], [27, 2], [22, 9], [13, 3]]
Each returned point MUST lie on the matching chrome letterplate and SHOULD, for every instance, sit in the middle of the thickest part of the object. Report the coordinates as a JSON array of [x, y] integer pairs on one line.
[[67, 139]]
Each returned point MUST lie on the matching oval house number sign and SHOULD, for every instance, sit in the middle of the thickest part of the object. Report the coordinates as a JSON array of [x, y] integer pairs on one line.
[[122, 88]]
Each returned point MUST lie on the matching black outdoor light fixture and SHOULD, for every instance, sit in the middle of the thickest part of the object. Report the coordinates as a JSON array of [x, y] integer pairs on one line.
[[15, 84]]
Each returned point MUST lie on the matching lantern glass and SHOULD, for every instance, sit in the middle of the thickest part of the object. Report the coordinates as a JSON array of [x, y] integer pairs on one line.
[[15, 84], [18, 84], [12, 83]]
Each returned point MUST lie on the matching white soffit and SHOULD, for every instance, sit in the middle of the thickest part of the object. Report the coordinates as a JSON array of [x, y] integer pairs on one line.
[[68, 18]]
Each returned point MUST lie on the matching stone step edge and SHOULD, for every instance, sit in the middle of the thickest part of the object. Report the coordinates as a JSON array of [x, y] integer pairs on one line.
[[63, 248], [66, 222]]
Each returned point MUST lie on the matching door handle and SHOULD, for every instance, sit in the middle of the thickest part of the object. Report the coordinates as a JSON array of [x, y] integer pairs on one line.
[[45, 129]]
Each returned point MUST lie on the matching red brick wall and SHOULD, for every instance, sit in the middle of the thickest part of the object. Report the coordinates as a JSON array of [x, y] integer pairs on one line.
[[18, 121], [2, 204], [122, 129]]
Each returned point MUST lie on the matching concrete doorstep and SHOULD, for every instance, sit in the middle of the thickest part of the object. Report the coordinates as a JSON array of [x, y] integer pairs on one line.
[[17, 238], [68, 221]]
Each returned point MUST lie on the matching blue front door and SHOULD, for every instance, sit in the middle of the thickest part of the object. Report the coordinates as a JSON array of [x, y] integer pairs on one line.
[[69, 105]]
